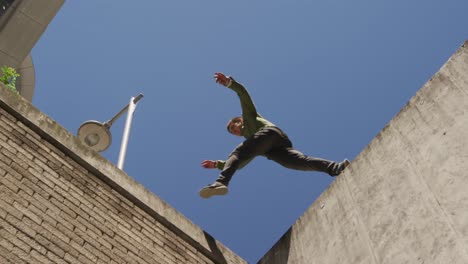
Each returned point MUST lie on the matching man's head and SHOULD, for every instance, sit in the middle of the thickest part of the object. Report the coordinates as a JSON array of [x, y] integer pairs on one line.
[[235, 125]]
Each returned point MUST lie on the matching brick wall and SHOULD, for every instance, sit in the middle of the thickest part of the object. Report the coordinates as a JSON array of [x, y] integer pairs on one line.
[[55, 207]]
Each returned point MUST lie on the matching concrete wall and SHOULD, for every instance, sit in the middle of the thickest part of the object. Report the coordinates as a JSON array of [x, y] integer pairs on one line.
[[404, 199], [61, 202], [21, 26]]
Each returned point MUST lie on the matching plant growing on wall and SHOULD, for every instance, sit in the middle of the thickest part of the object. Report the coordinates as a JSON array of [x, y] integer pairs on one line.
[[9, 77]]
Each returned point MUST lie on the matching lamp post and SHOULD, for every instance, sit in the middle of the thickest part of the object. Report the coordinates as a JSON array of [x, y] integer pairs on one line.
[[98, 137]]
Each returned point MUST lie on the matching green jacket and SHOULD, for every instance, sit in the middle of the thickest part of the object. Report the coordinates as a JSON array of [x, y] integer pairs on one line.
[[253, 121]]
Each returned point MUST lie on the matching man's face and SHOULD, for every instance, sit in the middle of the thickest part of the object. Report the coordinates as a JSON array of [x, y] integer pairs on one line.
[[236, 128]]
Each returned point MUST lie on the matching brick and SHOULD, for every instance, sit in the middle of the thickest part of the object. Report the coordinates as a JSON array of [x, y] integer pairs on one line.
[[43, 144], [104, 204], [3, 212], [5, 127], [61, 192], [44, 183], [76, 166], [65, 246], [5, 113], [64, 208], [136, 257], [31, 242], [129, 233], [64, 221], [52, 175], [25, 199], [29, 144], [83, 252], [128, 243], [121, 252], [9, 255], [24, 127], [84, 259], [45, 188], [24, 154], [71, 259], [55, 259], [3, 138], [2, 171], [28, 213], [92, 226], [7, 245], [41, 154], [50, 246], [174, 247], [85, 204], [5, 160], [7, 195], [15, 136], [43, 215], [141, 226], [96, 252], [60, 159], [25, 183], [57, 168], [24, 225], [22, 161], [41, 258], [72, 235], [35, 170], [7, 227], [43, 202], [19, 172], [105, 249], [100, 212], [8, 150], [13, 214], [54, 233], [3, 259]]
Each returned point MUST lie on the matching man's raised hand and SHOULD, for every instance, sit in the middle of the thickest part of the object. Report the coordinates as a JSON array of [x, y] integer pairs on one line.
[[208, 164], [222, 79]]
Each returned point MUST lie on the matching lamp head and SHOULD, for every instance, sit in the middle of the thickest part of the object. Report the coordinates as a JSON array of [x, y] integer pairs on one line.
[[95, 135]]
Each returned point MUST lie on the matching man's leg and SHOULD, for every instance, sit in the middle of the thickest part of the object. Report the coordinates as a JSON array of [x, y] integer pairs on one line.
[[294, 159], [260, 143]]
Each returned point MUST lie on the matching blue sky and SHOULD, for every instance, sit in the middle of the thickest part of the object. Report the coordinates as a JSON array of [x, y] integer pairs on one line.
[[329, 73]]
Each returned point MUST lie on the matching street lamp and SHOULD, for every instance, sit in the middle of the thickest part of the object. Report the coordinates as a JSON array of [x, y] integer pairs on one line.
[[98, 137]]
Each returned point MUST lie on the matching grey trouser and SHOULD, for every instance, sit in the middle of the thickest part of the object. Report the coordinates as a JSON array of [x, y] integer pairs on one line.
[[275, 145]]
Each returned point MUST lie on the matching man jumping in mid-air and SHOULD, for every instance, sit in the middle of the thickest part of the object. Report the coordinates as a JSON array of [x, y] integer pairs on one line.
[[263, 138]]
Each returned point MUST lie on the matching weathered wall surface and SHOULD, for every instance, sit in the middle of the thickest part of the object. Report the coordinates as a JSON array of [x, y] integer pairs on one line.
[[60, 202], [404, 199], [22, 22], [21, 25]]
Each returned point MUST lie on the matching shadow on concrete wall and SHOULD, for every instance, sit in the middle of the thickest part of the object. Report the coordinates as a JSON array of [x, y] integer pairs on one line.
[[217, 254], [279, 253]]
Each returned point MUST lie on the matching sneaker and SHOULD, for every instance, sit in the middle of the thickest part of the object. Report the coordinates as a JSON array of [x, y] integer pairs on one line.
[[345, 163], [217, 188], [341, 166]]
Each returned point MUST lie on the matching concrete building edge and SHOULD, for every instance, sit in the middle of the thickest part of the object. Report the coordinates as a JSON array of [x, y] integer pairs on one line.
[[61, 138], [287, 235]]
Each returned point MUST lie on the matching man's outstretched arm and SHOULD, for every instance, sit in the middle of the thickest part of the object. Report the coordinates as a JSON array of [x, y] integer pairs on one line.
[[247, 104], [219, 164]]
